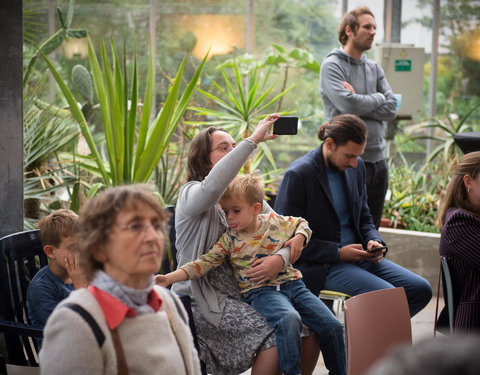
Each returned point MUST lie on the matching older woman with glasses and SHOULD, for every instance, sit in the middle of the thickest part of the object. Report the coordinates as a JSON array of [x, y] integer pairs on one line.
[[232, 335], [122, 323]]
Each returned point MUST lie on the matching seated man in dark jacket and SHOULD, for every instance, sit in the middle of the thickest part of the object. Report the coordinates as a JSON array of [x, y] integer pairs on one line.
[[327, 188]]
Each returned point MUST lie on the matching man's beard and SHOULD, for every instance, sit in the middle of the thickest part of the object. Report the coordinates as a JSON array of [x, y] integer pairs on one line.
[[362, 46], [332, 165]]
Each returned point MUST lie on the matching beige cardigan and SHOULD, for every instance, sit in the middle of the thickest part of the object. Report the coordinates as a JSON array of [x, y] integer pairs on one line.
[[150, 344]]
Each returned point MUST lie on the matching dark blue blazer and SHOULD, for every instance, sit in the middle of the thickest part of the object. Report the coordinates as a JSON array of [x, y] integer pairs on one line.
[[304, 192]]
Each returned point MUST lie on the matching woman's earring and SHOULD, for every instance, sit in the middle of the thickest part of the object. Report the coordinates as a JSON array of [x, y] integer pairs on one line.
[[468, 190]]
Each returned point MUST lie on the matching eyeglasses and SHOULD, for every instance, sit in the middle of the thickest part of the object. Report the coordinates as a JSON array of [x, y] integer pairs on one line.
[[141, 228], [224, 148]]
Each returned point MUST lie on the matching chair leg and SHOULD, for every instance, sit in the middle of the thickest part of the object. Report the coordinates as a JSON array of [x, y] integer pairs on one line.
[[203, 367], [336, 306], [3, 365]]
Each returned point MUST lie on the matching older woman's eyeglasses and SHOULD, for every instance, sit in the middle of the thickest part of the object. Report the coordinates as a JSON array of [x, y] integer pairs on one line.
[[224, 148], [141, 228]]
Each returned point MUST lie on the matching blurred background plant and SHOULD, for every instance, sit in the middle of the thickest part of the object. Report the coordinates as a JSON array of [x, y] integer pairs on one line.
[[53, 42], [240, 101], [134, 143], [289, 40], [414, 205], [284, 60], [46, 132], [47, 129], [416, 187], [247, 93], [443, 132]]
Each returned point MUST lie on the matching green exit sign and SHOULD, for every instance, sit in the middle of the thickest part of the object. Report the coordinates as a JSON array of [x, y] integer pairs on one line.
[[403, 65]]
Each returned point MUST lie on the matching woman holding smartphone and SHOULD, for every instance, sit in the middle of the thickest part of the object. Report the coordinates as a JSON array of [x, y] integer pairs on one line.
[[232, 335]]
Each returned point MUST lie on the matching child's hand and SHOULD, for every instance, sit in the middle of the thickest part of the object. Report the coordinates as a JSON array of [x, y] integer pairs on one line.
[[74, 271], [162, 280], [296, 244]]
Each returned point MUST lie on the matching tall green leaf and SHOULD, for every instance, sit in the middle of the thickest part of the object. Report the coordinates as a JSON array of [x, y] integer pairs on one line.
[[56, 40], [147, 108], [130, 159], [78, 115]]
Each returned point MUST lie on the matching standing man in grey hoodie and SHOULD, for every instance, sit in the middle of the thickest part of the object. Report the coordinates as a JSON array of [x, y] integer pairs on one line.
[[350, 83]]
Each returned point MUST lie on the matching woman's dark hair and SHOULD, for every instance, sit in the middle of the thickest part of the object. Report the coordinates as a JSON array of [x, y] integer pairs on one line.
[[344, 128], [198, 163], [351, 19], [457, 194]]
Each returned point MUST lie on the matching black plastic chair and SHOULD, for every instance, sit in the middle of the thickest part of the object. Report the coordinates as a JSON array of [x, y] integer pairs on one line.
[[448, 296], [445, 320], [21, 256]]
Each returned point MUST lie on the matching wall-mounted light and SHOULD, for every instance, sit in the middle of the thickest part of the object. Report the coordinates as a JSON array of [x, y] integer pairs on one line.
[[474, 44], [220, 33]]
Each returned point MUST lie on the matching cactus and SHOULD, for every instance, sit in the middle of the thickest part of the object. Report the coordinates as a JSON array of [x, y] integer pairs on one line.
[[82, 82]]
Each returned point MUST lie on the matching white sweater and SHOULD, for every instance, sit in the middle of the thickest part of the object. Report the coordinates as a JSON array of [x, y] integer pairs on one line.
[[149, 342]]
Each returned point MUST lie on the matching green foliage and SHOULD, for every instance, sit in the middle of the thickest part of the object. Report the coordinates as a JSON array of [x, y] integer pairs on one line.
[[47, 131], [242, 101], [295, 58], [64, 33], [415, 192], [131, 157], [414, 195], [170, 172], [31, 27], [278, 56], [404, 143], [455, 16], [308, 24], [303, 25], [82, 81], [459, 24], [444, 131]]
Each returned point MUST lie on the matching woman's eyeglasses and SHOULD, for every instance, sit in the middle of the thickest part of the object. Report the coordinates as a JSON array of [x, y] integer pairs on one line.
[[224, 148], [141, 228]]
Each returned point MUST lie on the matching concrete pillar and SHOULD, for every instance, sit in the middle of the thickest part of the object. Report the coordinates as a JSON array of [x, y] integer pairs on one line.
[[392, 18], [344, 7], [432, 86], [250, 32], [11, 117]]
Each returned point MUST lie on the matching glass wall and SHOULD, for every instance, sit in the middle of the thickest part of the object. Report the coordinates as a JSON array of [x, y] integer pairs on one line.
[[195, 26], [277, 46]]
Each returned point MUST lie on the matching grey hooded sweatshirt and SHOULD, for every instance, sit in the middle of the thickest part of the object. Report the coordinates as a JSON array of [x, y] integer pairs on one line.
[[373, 100]]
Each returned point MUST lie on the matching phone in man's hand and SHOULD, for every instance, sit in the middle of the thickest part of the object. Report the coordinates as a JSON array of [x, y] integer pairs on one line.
[[286, 125], [376, 249]]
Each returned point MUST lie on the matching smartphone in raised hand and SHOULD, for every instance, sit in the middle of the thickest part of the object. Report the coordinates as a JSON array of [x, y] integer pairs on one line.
[[286, 125]]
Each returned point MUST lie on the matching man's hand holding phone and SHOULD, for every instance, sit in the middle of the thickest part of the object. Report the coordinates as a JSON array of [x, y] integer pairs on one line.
[[376, 251], [356, 252]]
